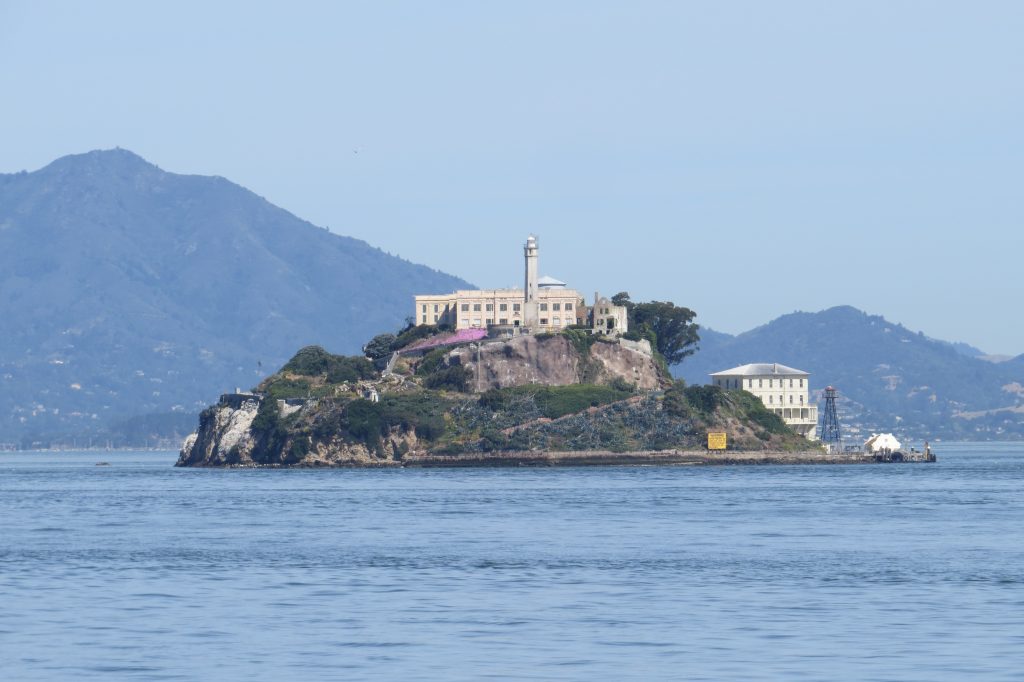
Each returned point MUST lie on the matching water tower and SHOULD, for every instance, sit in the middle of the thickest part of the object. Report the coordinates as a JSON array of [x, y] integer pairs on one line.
[[830, 434]]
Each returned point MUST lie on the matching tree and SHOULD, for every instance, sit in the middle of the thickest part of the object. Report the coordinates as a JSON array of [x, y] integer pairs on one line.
[[622, 298], [378, 349], [675, 332]]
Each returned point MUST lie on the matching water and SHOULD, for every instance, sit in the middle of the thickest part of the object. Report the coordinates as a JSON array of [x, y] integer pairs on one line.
[[142, 571]]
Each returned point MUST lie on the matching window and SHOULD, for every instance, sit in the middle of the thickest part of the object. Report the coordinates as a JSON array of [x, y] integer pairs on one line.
[[780, 399], [790, 399], [424, 318], [503, 307], [791, 383], [435, 307], [435, 316], [556, 306], [759, 384], [424, 308], [750, 383], [503, 320], [464, 323], [771, 383], [801, 383], [801, 400], [476, 309], [771, 399], [489, 307], [558, 321], [476, 321], [543, 306], [568, 306], [544, 321], [516, 307], [465, 307], [490, 320]]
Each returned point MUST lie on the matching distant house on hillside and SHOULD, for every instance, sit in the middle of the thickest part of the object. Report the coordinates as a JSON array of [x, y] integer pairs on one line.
[[545, 304], [782, 389]]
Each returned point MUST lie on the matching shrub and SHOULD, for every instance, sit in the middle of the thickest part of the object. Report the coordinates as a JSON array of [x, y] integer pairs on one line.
[[315, 361], [455, 378], [704, 399], [431, 361]]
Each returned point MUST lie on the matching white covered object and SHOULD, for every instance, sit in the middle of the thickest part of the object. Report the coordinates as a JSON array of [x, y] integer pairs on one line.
[[882, 441]]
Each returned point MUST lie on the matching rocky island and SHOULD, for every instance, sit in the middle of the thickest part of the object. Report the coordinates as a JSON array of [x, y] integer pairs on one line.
[[436, 397]]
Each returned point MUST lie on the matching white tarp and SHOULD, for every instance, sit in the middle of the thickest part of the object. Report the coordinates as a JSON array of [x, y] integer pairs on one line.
[[882, 441]]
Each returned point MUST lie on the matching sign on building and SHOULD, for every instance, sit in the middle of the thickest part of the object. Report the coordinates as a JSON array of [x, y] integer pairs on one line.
[[716, 440]]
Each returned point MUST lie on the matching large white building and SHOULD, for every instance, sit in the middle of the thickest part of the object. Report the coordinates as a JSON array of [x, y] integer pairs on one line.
[[544, 304], [783, 390]]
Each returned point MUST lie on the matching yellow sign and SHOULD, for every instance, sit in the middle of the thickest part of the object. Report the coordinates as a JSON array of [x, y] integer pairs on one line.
[[716, 441]]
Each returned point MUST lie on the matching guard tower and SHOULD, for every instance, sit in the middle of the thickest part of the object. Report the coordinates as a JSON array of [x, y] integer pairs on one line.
[[830, 434]]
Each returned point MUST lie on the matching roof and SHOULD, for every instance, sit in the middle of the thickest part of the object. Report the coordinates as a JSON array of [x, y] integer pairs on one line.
[[546, 281], [761, 369]]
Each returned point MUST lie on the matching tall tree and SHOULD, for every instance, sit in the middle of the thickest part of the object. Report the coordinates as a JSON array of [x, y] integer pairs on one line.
[[673, 326]]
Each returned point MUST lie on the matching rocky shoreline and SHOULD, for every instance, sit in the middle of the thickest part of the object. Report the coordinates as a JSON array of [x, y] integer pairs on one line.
[[577, 458]]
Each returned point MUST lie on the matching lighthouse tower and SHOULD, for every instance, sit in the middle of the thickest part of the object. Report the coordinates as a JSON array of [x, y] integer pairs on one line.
[[530, 311]]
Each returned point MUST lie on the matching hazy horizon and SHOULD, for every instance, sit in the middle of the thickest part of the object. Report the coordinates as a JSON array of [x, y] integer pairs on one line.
[[746, 161]]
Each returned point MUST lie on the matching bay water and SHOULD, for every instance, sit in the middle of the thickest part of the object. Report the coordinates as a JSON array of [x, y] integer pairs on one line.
[[139, 570]]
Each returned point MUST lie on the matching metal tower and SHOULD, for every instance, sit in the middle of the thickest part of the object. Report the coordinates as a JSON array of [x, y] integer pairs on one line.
[[830, 434]]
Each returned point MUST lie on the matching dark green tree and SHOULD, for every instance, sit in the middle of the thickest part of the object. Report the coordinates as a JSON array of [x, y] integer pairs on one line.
[[379, 349], [675, 332]]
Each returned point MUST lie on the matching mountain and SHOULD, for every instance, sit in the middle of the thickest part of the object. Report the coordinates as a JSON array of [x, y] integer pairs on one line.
[[889, 377], [126, 290]]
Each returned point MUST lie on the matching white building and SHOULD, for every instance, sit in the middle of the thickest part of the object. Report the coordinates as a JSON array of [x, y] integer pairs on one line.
[[783, 390], [544, 304]]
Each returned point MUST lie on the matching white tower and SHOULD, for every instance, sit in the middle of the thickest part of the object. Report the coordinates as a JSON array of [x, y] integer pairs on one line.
[[530, 252]]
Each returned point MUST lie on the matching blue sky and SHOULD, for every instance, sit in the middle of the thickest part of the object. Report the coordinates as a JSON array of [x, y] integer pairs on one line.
[[746, 159]]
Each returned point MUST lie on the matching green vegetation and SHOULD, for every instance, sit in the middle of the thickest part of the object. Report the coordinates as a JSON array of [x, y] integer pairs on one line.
[[556, 401], [669, 327], [315, 361], [454, 378]]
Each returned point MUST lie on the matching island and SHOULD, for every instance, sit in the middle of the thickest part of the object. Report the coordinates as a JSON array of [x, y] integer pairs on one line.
[[431, 396]]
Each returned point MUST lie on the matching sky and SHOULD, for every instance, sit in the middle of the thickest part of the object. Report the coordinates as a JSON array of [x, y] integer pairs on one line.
[[744, 159]]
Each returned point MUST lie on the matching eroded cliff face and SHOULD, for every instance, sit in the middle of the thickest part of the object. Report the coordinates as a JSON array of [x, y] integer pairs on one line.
[[555, 361], [226, 439]]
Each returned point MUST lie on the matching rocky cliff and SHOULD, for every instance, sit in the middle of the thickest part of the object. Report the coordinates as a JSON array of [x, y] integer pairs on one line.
[[559, 360]]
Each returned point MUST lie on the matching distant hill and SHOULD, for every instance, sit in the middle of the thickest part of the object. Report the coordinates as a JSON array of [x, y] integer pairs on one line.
[[889, 378], [126, 290]]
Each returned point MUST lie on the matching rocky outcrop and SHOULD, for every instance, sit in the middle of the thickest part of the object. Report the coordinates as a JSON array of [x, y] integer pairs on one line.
[[226, 439], [554, 360]]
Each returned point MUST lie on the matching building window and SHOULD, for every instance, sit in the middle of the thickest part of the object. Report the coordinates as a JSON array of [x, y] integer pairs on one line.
[[801, 383], [465, 322], [780, 399], [556, 306], [465, 307], [424, 318], [791, 383], [558, 321], [759, 384], [490, 320], [543, 306], [771, 399], [544, 321], [435, 317], [435, 307], [750, 383], [503, 320], [503, 307], [476, 309], [801, 400], [516, 307], [424, 309], [476, 321], [790, 399], [489, 307], [568, 306]]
